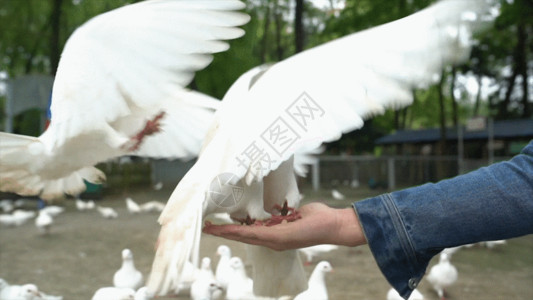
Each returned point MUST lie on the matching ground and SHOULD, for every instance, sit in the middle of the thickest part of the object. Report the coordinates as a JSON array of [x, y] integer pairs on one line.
[[83, 250]]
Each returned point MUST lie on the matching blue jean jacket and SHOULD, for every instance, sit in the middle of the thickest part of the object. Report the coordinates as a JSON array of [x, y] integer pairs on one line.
[[405, 229]]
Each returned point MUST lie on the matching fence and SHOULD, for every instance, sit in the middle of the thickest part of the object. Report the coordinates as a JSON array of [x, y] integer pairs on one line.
[[386, 172]]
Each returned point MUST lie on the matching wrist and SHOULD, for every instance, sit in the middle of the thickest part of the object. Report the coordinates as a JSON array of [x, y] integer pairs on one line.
[[350, 232]]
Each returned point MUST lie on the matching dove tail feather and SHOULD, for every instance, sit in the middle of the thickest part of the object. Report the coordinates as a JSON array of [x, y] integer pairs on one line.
[[178, 242]]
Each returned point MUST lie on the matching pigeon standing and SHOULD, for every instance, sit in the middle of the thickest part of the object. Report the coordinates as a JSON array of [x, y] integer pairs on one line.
[[132, 206], [240, 286], [128, 276], [152, 206], [107, 212], [317, 289], [223, 269], [337, 195], [442, 275], [392, 294], [20, 292], [44, 221], [114, 293], [205, 286]]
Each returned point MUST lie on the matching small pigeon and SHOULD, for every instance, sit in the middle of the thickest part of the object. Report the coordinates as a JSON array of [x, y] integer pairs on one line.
[[19, 292], [128, 276], [152, 206], [12, 219], [133, 207], [240, 286], [143, 294], [44, 222], [223, 269], [158, 186], [415, 295], [205, 286], [107, 212], [114, 293], [53, 210], [316, 289], [312, 251], [84, 205], [442, 275], [7, 205], [337, 195], [492, 244]]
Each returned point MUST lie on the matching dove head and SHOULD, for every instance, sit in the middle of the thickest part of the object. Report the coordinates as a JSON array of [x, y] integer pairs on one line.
[[236, 263], [29, 291], [127, 254], [444, 257], [206, 263], [143, 294], [223, 250], [324, 266]]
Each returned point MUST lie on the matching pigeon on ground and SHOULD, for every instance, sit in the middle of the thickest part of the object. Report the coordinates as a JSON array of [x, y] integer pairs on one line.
[[128, 276], [114, 293], [205, 286], [152, 206], [107, 212], [43, 222], [84, 205], [17, 217], [53, 210], [442, 275], [143, 294], [316, 289], [7, 205], [492, 244], [392, 294], [337, 195], [223, 270], [245, 167], [316, 250], [240, 286], [132, 206], [19, 292], [123, 92]]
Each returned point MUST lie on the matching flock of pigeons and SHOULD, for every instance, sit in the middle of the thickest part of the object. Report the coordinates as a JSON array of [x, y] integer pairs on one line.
[[229, 280]]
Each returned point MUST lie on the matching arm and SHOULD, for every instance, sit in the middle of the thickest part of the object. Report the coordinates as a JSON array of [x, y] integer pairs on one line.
[[405, 229]]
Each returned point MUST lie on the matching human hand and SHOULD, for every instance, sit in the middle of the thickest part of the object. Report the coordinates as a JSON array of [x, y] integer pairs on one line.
[[319, 224]]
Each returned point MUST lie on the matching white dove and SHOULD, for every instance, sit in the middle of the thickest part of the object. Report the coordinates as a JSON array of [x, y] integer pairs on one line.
[[143, 294], [20, 292], [53, 210], [240, 286], [442, 275], [84, 205], [44, 221], [223, 269], [132, 206], [392, 294], [245, 166], [107, 212], [128, 276], [152, 206], [114, 293], [312, 251], [205, 286], [317, 289], [115, 88], [16, 218], [337, 195]]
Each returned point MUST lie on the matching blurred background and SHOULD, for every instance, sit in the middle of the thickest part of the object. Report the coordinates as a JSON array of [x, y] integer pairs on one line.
[[476, 114]]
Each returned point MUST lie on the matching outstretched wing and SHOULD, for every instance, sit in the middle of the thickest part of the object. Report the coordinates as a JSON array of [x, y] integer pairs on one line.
[[117, 71]]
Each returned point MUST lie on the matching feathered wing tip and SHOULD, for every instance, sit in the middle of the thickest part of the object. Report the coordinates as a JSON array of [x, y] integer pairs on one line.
[[178, 242], [20, 154]]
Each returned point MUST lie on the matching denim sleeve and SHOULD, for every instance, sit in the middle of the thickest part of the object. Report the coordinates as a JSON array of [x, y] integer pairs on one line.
[[405, 229]]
